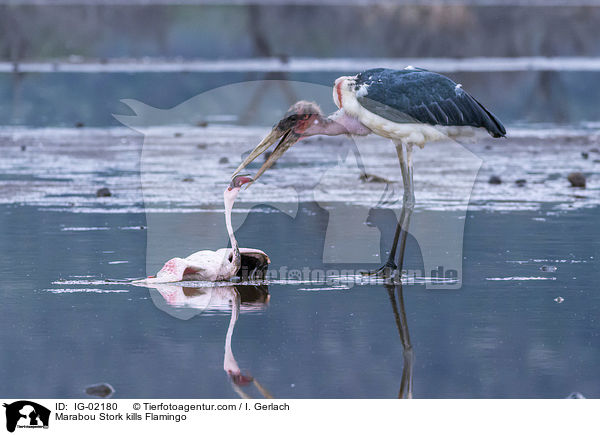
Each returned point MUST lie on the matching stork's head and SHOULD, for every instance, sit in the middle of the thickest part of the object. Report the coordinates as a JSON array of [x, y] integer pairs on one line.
[[292, 127], [299, 117]]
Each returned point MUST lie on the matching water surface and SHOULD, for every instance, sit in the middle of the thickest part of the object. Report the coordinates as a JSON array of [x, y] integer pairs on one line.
[[503, 334]]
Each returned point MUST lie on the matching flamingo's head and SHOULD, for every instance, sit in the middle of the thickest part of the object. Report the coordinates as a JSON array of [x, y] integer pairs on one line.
[[240, 379], [238, 181], [233, 189], [288, 131]]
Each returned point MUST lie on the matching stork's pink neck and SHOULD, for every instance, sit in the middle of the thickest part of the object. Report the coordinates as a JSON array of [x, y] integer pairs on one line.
[[336, 124]]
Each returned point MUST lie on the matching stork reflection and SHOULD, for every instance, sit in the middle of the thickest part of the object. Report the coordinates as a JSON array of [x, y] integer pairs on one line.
[[187, 302], [397, 301]]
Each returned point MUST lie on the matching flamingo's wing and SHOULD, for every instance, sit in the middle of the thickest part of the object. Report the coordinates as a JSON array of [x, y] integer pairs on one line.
[[174, 270], [254, 264]]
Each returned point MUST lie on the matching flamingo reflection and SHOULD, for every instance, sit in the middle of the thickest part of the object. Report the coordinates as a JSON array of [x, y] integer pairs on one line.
[[186, 302]]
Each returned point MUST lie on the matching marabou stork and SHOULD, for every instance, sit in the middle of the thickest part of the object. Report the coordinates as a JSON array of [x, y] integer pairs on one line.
[[222, 264], [411, 107]]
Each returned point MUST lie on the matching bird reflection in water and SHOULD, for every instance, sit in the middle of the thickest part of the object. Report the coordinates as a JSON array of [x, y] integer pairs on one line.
[[397, 301], [187, 302]]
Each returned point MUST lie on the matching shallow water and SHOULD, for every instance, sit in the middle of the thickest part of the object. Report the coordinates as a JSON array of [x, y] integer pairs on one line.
[[504, 333]]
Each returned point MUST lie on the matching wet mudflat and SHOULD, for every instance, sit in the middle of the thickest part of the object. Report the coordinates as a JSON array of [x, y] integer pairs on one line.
[[185, 169]]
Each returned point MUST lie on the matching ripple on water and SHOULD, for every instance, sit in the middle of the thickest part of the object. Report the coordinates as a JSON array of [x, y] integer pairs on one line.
[[523, 278], [82, 290]]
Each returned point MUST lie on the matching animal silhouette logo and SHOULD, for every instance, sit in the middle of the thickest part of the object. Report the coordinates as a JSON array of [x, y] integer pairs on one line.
[[26, 414], [343, 180]]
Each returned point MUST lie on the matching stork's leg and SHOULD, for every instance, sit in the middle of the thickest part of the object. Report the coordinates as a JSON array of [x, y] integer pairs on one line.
[[408, 205], [406, 383], [408, 202], [405, 391]]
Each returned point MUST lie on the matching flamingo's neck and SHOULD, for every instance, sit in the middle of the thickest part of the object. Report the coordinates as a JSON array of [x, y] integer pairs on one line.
[[229, 199]]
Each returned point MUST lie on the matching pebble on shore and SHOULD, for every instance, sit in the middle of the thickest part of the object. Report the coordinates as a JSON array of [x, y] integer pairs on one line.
[[372, 178], [577, 179], [100, 390], [103, 192]]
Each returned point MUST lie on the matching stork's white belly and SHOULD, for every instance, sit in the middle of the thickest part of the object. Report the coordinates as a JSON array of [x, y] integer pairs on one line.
[[409, 133]]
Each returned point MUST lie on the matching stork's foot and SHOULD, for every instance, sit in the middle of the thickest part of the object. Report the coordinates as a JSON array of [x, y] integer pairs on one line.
[[384, 272]]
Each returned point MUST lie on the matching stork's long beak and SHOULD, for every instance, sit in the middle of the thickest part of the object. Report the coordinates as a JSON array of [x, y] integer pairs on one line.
[[288, 138], [269, 140]]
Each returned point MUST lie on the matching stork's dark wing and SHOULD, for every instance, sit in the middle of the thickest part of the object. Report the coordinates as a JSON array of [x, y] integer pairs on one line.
[[417, 95]]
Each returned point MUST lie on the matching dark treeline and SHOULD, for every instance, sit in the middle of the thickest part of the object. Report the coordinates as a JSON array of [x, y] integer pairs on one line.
[[50, 32], [47, 33]]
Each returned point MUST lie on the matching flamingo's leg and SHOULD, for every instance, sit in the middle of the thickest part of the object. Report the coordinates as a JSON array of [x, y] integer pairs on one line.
[[408, 205]]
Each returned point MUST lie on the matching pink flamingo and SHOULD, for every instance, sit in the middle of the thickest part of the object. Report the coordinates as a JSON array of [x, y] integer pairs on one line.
[[222, 264]]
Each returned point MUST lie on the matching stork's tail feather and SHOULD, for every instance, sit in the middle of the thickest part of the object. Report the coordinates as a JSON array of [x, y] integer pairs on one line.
[[491, 123]]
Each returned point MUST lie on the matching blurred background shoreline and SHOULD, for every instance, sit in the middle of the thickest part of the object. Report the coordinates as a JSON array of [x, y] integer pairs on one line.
[[67, 64]]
